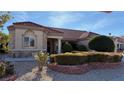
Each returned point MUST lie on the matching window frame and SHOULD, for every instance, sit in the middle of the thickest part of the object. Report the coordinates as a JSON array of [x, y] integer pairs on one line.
[[28, 42]]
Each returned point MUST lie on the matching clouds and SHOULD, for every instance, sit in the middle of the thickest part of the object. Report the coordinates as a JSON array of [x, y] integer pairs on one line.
[[21, 16], [98, 22], [95, 25], [101, 24], [79, 20], [91, 21], [59, 19]]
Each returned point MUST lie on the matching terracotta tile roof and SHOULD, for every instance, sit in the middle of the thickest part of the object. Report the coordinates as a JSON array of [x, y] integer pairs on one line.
[[70, 34], [32, 24], [28, 24], [10, 27]]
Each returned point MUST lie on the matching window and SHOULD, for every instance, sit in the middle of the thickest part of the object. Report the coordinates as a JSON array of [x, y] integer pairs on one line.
[[32, 42], [122, 46], [117, 45], [29, 42]]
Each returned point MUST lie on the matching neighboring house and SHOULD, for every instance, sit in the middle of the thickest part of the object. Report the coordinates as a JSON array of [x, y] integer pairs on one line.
[[119, 43], [28, 37]]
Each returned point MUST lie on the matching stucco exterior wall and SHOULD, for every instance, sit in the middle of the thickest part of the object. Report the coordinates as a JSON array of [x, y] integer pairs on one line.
[[12, 39], [44, 40], [83, 42], [19, 33]]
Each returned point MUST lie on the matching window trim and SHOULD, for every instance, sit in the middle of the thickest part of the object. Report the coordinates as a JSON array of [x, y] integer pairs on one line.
[[29, 42]]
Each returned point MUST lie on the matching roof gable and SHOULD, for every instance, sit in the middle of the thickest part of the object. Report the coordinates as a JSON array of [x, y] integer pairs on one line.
[[33, 25]]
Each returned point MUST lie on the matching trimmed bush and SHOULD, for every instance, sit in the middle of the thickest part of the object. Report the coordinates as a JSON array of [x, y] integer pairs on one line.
[[74, 45], [67, 47], [97, 58], [85, 57], [9, 68], [102, 44], [70, 59], [82, 48], [52, 58]]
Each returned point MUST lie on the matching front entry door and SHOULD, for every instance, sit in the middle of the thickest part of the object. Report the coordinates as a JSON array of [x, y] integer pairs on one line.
[[51, 46]]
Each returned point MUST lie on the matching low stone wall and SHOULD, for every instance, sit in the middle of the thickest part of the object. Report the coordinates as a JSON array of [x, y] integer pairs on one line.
[[79, 69], [106, 65], [9, 78]]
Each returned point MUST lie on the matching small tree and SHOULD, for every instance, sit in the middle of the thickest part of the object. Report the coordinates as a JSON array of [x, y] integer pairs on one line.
[[4, 17], [102, 44], [41, 58], [67, 47], [4, 40]]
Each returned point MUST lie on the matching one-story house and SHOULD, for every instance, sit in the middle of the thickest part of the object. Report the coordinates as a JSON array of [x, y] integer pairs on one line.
[[30, 37], [119, 43]]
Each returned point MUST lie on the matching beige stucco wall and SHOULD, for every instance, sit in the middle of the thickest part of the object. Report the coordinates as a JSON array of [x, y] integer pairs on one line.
[[44, 40], [12, 39], [19, 38]]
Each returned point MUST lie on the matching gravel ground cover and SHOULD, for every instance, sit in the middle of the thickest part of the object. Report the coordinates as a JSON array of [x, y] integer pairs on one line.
[[28, 71]]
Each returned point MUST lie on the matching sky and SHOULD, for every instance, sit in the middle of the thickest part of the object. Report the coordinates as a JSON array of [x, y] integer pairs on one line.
[[98, 22]]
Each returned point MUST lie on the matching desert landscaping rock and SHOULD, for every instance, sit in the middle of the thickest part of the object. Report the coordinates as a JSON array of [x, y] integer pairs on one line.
[[28, 71]]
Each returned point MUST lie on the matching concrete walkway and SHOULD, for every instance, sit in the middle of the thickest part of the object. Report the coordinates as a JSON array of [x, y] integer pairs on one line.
[[94, 75], [20, 59], [22, 68]]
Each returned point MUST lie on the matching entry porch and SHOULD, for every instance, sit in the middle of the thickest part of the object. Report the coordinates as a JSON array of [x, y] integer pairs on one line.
[[54, 44]]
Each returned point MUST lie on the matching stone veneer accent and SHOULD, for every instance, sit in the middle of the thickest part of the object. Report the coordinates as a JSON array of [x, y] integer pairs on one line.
[[79, 69]]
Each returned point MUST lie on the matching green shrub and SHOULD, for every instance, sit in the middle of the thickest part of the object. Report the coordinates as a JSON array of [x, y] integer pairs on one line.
[[85, 57], [2, 69], [6, 68], [102, 44], [70, 59], [67, 47], [97, 58], [4, 49], [9, 68], [82, 48], [115, 58], [74, 45], [52, 58], [4, 40]]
